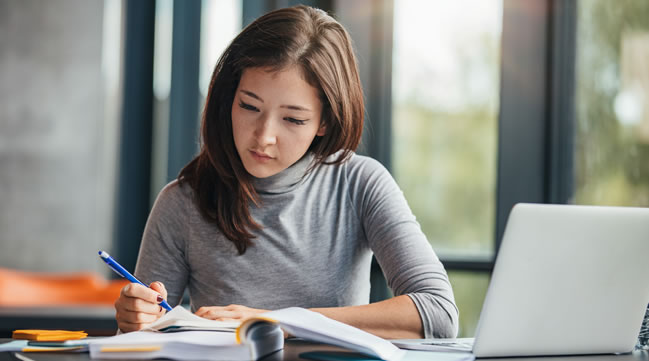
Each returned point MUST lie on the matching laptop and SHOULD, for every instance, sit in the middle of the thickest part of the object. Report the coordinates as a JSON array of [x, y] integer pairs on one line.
[[567, 280]]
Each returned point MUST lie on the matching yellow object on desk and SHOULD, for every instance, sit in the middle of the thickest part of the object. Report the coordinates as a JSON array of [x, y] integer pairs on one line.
[[48, 335]]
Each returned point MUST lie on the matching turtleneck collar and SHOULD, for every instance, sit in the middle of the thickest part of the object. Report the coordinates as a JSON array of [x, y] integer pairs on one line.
[[286, 180]]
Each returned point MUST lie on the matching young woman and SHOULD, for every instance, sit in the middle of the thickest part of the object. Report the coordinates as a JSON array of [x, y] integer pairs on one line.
[[277, 210]]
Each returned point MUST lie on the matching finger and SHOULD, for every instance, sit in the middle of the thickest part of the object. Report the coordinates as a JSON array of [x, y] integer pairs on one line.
[[160, 288], [233, 307], [130, 327], [134, 304], [138, 291], [135, 317], [214, 313], [127, 327], [203, 310]]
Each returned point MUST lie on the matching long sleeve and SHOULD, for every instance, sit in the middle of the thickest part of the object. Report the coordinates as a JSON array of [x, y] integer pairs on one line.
[[407, 259], [162, 252]]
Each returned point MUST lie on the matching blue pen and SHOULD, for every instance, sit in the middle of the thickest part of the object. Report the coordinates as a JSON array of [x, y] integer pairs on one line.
[[126, 274]]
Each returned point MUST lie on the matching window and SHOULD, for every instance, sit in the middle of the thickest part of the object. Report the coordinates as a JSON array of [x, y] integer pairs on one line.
[[446, 72], [470, 289], [445, 96], [612, 103], [220, 21]]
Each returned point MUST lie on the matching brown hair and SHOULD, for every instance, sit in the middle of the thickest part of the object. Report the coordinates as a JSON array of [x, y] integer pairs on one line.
[[298, 36]]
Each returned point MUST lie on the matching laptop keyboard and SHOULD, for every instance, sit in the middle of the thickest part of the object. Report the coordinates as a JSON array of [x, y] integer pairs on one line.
[[461, 344]]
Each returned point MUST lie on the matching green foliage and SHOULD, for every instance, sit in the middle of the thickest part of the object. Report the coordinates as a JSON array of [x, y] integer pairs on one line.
[[470, 289], [446, 165], [445, 145], [610, 158], [445, 157]]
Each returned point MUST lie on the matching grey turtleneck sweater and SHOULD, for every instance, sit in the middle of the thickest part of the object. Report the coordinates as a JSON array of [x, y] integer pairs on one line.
[[315, 248]]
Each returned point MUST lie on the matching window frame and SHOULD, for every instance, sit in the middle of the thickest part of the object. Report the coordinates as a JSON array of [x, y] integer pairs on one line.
[[136, 128], [536, 132]]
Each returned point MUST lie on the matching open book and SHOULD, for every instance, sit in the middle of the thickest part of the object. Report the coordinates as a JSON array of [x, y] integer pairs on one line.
[[181, 319], [253, 339]]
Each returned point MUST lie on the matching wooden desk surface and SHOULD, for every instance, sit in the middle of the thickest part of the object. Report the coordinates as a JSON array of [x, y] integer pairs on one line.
[[293, 348]]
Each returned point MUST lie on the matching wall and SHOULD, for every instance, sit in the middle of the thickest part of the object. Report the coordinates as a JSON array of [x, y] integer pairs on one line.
[[57, 146]]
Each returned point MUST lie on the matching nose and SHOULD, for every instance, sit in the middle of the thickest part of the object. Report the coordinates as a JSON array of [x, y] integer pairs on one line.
[[264, 131]]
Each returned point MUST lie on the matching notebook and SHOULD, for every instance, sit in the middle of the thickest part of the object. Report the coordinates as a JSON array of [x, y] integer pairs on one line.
[[567, 280]]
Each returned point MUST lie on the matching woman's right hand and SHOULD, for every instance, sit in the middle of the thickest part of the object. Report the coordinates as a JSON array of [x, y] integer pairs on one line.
[[138, 306]]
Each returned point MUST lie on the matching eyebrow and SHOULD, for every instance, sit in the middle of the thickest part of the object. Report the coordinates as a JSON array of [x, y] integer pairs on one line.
[[251, 94], [292, 107]]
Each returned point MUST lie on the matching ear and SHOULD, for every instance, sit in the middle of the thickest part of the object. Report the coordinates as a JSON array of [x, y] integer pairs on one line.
[[322, 131]]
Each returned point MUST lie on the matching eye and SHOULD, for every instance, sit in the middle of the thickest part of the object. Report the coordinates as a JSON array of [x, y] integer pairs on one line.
[[295, 121], [248, 107]]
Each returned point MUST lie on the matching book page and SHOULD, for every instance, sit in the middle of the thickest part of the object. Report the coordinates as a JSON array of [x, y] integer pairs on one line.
[[181, 319], [187, 345], [146, 338], [313, 326]]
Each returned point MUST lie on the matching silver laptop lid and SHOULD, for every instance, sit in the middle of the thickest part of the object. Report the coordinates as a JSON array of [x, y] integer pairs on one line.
[[567, 280]]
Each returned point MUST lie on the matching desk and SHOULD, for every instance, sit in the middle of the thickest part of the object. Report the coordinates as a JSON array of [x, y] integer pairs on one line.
[[293, 348], [97, 321]]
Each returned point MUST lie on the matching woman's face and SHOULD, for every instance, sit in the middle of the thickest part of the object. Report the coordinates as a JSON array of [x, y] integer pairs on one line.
[[275, 117]]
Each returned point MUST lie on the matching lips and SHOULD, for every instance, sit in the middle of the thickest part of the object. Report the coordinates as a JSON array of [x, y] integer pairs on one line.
[[260, 155]]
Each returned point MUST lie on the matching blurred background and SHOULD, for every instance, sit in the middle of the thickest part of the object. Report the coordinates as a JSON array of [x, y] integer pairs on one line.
[[473, 105]]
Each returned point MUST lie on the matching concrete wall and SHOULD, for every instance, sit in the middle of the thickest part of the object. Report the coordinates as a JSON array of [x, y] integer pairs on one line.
[[56, 144]]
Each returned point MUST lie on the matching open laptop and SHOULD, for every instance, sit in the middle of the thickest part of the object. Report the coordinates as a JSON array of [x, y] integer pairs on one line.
[[567, 280]]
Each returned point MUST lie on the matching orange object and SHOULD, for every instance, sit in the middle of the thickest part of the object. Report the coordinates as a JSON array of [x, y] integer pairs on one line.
[[22, 288], [48, 335]]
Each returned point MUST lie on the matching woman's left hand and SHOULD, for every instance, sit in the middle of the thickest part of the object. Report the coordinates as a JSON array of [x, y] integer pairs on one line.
[[228, 313]]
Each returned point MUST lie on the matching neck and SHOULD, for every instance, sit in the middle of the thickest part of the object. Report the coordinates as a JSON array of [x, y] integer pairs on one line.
[[286, 180]]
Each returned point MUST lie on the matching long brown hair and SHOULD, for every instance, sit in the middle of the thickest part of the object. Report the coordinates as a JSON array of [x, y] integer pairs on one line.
[[298, 36]]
